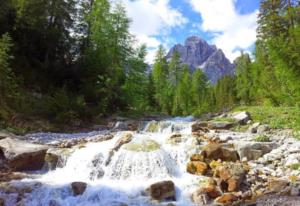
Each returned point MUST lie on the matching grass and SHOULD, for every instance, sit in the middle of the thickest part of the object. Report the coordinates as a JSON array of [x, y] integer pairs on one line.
[[295, 166], [275, 117], [262, 138], [224, 119]]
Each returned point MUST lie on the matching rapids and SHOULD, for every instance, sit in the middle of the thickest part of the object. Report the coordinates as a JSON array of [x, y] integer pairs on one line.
[[148, 158]]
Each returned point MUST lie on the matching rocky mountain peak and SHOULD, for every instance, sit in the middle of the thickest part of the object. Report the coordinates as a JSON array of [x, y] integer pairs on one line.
[[198, 54]]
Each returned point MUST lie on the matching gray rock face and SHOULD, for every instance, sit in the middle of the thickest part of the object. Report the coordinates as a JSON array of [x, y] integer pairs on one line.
[[198, 54]]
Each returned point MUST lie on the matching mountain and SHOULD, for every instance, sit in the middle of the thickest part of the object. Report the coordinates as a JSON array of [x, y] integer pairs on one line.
[[198, 54]]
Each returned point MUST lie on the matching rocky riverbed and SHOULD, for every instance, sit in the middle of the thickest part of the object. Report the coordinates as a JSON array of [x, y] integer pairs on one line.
[[179, 161]]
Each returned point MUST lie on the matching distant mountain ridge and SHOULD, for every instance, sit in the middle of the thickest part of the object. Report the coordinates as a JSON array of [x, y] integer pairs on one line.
[[198, 54]]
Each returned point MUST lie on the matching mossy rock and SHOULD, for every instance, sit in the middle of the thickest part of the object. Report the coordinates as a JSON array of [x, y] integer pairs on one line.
[[144, 146]]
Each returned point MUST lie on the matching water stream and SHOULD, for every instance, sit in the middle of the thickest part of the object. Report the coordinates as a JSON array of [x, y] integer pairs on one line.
[[150, 157]]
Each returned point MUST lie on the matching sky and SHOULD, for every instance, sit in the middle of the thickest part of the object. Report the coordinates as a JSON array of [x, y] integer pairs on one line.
[[228, 24]]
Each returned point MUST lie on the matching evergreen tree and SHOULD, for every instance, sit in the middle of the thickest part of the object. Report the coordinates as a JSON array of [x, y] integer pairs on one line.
[[159, 75], [200, 92], [243, 78], [8, 85], [136, 84]]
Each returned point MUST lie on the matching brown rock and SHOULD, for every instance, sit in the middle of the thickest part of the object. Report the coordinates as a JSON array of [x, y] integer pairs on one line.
[[199, 126], [231, 175], [215, 151], [212, 191], [226, 199], [277, 185], [21, 155], [200, 198], [197, 167], [164, 190], [78, 188], [197, 157]]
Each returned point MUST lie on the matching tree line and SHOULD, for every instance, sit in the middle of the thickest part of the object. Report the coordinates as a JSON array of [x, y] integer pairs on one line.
[[76, 59]]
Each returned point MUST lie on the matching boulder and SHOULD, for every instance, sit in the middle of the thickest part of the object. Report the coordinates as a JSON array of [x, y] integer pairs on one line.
[[263, 128], [231, 175], [123, 140], [164, 190], [242, 117], [253, 150], [215, 151], [226, 199], [199, 126], [277, 185], [78, 188], [220, 125], [197, 167], [21, 155]]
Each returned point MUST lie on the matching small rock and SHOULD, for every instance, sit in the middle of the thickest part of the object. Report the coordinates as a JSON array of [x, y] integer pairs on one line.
[[197, 167], [212, 191], [197, 157], [262, 128], [78, 188], [200, 198], [242, 117], [253, 127], [226, 199], [199, 126], [164, 190]]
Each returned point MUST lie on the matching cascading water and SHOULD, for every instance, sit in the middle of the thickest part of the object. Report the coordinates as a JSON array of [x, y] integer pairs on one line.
[[148, 158]]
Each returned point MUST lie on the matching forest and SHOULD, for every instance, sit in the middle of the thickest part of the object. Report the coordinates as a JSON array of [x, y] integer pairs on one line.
[[63, 62]]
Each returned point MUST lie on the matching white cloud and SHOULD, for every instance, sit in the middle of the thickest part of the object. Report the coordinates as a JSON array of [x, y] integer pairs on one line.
[[150, 19], [232, 31]]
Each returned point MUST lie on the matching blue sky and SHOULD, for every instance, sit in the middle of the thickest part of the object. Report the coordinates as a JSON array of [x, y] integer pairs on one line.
[[229, 24]]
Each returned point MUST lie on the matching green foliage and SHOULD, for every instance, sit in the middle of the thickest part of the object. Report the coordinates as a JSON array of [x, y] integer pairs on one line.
[[225, 93], [243, 78], [275, 117], [295, 166], [136, 84], [262, 138]]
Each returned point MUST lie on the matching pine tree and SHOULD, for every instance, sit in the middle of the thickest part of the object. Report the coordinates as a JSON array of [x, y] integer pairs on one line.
[[243, 78], [159, 75], [8, 85]]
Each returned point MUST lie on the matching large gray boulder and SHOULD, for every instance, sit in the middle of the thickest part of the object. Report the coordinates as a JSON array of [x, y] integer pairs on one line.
[[21, 155], [253, 150]]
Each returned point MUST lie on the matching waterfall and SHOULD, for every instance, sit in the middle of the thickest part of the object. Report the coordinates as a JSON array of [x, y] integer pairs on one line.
[[148, 158]]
